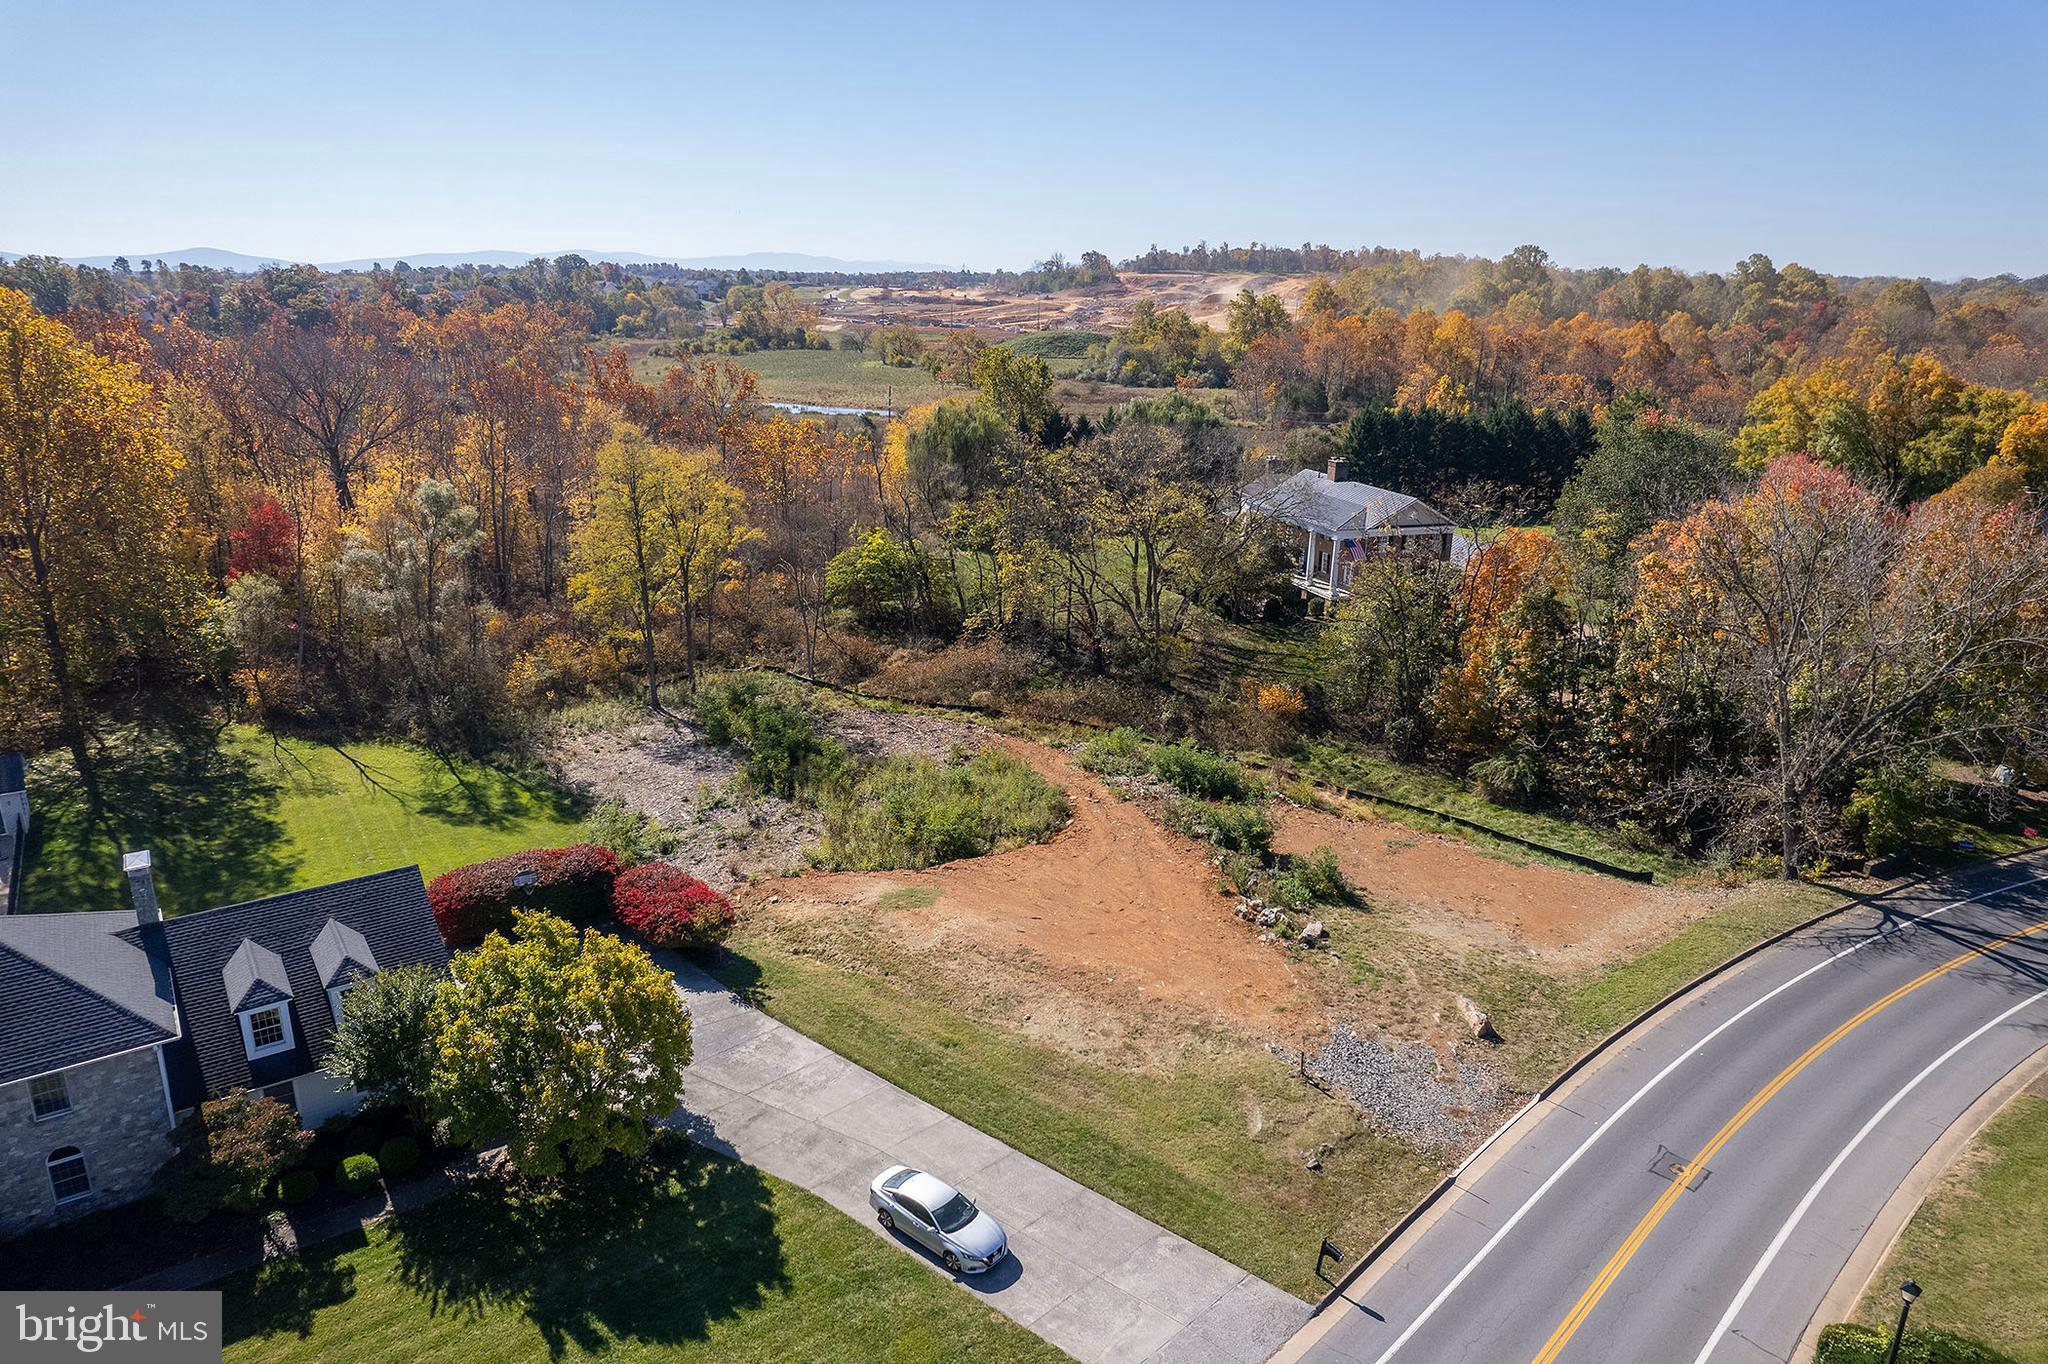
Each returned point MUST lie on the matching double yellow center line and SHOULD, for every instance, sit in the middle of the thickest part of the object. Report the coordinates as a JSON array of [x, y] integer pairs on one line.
[[1682, 1175]]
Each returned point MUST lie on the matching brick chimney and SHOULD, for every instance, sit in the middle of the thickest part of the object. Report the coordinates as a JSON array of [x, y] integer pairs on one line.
[[1336, 469], [142, 885]]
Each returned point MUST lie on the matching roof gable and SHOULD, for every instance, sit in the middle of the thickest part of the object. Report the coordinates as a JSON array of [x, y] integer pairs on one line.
[[387, 911], [254, 976], [1309, 499], [74, 987], [339, 950]]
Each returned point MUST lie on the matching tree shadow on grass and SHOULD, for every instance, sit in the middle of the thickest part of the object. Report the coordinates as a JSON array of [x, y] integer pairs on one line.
[[201, 806], [281, 1296], [651, 1250], [460, 790]]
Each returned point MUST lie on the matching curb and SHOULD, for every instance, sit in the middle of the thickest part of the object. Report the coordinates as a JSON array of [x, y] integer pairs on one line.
[[1604, 1045], [1881, 1237]]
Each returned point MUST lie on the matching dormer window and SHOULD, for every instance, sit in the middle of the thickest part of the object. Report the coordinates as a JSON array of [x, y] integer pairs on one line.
[[260, 994], [266, 1031], [343, 959]]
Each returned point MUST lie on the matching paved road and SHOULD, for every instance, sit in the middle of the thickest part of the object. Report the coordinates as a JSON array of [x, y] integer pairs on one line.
[[1692, 1197], [1087, 1274]]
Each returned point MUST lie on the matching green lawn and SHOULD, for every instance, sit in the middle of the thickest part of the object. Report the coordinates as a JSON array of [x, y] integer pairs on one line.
[[1978, 1247], [238, 814], [694, 1260], [1214, 1148]]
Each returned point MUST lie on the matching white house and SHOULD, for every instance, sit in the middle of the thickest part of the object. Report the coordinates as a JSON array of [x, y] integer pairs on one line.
[[1345, 523]]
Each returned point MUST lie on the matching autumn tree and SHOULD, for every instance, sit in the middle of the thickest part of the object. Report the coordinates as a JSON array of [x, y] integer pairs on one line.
[[1848, 634], [622, 559], [568, 1043], [91, 561], [339, 381]]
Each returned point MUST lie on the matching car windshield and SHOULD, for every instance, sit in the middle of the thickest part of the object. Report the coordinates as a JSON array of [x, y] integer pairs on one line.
[[955, 1213]]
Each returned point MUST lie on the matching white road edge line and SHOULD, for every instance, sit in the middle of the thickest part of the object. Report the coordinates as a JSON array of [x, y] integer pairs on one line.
[[1719, 1333], [1561, 1171]]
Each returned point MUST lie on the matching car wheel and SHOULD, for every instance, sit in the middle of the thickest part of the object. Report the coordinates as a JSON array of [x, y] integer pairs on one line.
[[952, 1262], [882, 1216]]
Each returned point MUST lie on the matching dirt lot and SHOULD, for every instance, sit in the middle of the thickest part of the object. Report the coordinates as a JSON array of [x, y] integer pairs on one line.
[[1113, 941], [1113, 908], [1447, 890], [1205, 297]]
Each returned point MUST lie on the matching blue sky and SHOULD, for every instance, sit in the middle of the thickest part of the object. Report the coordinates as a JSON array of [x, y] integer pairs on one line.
[[1857, 138]]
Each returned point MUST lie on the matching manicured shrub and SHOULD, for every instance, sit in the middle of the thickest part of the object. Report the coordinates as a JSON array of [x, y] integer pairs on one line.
[[1198, 772], [473, 901], [357, 1173], [909, 812], [228, 1154], [398, 1155], [671, 908], [297, 1186], [1123, 752], [92, 1229]]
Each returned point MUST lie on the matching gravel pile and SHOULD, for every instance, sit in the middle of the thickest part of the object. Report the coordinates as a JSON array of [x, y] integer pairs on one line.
[[1407, 1090]]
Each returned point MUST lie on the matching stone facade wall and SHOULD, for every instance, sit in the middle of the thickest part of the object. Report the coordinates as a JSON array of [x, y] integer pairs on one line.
[[117, 1119]]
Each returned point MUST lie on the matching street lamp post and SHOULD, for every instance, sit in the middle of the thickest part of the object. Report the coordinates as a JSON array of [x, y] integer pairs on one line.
[[1908, 1292]]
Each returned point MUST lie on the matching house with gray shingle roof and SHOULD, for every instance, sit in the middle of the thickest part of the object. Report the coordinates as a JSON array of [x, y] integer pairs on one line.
[[114, 1024], [1344, 523]]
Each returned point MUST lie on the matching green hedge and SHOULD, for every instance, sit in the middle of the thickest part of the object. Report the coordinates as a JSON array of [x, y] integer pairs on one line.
[[1849, 1344]]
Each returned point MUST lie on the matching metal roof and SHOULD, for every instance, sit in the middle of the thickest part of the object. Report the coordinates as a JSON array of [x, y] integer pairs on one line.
[[1310, 499]]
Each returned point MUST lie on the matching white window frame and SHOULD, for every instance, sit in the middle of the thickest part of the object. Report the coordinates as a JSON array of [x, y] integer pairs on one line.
[[284, 1016], [334, 994], [50, 1164], [62, 1088]]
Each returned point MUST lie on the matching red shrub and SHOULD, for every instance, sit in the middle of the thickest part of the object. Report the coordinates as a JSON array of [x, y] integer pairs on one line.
[[671, 908], [473, 901]]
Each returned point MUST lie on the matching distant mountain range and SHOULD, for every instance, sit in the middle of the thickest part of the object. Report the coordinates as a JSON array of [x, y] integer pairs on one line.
[[214, 258]]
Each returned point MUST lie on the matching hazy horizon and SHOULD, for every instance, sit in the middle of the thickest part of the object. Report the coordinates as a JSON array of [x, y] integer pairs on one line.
[[1857, 139]]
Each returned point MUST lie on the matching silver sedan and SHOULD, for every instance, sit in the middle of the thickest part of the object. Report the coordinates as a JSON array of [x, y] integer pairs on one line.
[[938, 1217]]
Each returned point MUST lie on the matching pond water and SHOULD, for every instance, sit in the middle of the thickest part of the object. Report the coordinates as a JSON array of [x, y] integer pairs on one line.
[[820, 410]]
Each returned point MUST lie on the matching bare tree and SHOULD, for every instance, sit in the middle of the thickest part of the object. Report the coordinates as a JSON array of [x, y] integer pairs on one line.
[[1849, 634]]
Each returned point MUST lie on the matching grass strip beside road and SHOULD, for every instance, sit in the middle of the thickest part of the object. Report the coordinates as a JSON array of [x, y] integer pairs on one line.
[[1978, 1246], [1214, 1148]]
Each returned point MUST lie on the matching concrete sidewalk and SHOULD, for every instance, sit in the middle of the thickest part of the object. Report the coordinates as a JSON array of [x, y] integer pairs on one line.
[[1087, 1274]]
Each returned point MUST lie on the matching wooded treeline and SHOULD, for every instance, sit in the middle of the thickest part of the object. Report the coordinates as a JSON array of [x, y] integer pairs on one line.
[[332, 504]]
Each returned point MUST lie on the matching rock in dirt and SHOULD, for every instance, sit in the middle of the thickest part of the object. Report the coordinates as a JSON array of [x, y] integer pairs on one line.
[[1477, 1019], [1314, 933]]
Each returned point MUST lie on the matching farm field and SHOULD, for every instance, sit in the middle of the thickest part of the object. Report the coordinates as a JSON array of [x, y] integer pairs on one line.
[[826, 378], [246, 814], [694, 1261]]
